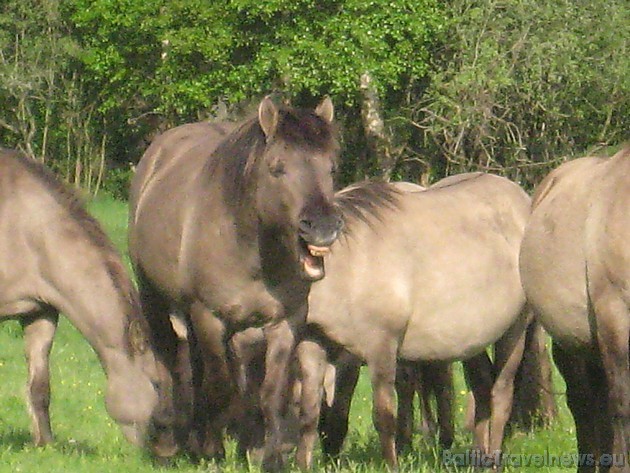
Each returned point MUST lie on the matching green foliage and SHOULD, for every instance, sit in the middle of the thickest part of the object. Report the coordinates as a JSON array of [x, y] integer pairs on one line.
[[162, 63], [116, 182], [43, 108], [521, 83], [182, 56], [508, 86]]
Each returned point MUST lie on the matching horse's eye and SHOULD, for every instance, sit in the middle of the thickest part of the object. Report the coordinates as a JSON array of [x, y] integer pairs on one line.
[[277, 169]]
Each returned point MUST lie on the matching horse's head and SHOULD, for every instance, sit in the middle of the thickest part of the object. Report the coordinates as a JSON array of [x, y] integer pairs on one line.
[[139, 394], [295, 184]]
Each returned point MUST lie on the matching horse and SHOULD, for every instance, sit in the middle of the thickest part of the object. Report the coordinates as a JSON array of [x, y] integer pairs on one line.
[[427, 380], [54, 257], [429, 275], [228, 226], [575, 268]]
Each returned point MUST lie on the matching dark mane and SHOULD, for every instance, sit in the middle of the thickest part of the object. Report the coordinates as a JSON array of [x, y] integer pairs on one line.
[[69, 200], [237, 155], [365, 201]]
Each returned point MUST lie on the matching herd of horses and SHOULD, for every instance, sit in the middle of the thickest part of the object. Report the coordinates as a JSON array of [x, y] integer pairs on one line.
[[260, 287]]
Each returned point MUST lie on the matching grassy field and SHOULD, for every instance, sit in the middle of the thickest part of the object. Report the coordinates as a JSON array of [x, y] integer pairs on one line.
[[88, 441]]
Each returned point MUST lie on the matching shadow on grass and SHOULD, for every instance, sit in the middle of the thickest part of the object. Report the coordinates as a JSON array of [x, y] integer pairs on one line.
[[16, 439], [363, 453], [20, 440]]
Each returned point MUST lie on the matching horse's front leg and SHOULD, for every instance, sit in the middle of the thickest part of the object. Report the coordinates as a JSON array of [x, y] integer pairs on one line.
[[312, 360], [281, 340], [382, 366], [39, 331], [613, 333], [214, 383], [406, 390]]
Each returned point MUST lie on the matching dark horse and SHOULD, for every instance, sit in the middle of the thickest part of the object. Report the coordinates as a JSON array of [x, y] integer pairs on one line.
[[575, 267], [228, 226], [54, 257]]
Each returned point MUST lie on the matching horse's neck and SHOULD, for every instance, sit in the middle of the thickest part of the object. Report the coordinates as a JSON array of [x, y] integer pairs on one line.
[[279, 268], [80, 280]]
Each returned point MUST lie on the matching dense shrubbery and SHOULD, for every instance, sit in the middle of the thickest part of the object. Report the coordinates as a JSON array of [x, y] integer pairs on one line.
[[522, 83], [504, 86]]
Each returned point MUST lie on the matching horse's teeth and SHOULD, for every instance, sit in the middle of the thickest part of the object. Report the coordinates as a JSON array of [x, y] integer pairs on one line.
[[318, 250]]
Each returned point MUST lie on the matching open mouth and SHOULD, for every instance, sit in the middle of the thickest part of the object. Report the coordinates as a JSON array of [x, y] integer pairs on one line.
[[312, 259]]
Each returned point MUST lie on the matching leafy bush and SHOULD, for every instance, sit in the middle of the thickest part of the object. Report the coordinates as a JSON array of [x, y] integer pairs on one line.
[[116, 182], [521, 83]]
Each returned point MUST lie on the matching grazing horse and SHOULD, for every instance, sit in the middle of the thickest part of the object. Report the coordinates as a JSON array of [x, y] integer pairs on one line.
[[55, 258], [575, 267], [228, 226], [429, 275]]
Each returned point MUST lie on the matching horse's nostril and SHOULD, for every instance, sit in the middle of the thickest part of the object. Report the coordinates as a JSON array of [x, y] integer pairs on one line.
[[306, 225]]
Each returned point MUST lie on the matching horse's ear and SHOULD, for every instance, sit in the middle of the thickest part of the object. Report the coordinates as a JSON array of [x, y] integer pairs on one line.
[[268, 116], [325, 110]]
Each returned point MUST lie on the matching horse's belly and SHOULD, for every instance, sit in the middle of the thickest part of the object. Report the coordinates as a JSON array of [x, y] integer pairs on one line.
[[461, 330]]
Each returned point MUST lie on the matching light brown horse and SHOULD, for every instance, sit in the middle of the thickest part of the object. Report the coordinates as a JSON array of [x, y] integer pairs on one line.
[[428, 380], [55, 258], [575, 267], [228, 225], [427, 275]]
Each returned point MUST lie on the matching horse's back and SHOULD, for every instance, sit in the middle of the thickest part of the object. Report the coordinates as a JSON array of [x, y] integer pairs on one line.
[[553, 262], [30, 196], [174, 154], [164, 195], [408, 186]]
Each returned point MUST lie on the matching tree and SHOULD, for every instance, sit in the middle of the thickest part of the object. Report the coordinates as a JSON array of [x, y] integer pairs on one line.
[[43, 110], [522, 83], [180, 59]]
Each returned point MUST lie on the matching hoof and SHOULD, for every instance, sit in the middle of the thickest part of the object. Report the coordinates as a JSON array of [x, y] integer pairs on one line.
[[273, 463]]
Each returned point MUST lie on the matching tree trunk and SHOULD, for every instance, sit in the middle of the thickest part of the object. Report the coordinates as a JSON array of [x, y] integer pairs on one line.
[[377, 137]]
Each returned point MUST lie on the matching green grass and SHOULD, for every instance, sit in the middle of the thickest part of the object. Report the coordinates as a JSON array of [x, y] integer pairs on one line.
[[88, 441]]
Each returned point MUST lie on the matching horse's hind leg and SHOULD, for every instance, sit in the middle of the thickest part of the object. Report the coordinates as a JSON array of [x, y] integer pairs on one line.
[[581, 400], [613, 334], [406, 381], [39, 332], [438, 378], [508, 353], [333, 424], [478, 371]]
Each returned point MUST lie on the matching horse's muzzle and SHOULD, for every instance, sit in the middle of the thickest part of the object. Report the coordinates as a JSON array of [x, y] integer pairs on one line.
[[321, 232]]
